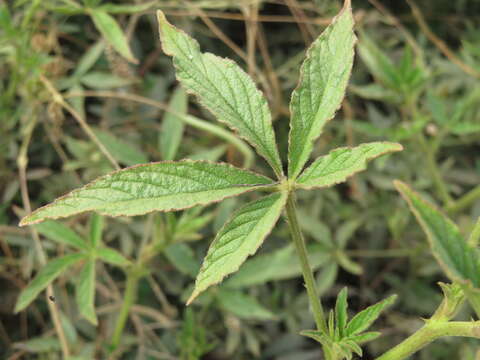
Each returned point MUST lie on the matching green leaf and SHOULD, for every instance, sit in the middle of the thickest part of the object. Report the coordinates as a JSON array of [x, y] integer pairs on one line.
[[104, 81], [342, 163], [183, 258], [62, 234], [78, 102], [85, 292], [242, 305], [124, 152], [365, 318], [224, 88], [457, 259], [365, 337], [378, 63], [112, 256], [163, 186], [112, 32], [316, 335], [323, 79], [280, 264], [341, 307], [89, 59], [96, 229], [38, 345], [171, 134], [45, 276], [238, 239], [126, 9]]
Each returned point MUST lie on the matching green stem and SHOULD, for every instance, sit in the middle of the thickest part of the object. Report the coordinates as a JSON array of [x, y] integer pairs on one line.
[[306, 269], [130, 295], [329, 354], [465, 201], [434, 171], [430, 332]]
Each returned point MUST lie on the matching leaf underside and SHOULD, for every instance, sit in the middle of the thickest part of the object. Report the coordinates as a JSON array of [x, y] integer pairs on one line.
[[342, 163], [323, 80], [163, 186], [223, 88], [238, 239], [455, 256]]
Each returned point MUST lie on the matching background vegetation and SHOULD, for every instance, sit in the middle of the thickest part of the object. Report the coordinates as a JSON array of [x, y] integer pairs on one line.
[[72, 95]]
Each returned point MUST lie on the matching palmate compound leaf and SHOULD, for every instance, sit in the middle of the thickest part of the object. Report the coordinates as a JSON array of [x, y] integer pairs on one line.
[[342, 163], [459, 261], [239, 238], [323, 79], [343, 336], [162, 186], [224, 88]]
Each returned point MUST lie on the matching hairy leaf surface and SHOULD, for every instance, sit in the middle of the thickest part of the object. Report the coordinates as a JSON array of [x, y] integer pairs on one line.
[[224, 88], [323, 79], [85, 292], [457, 259], [342, 163], [162, 186], [48, 273], [238, 239]]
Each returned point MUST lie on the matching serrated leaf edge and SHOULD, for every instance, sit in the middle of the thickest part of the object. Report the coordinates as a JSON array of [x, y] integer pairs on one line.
[[25, 220], [284, 195], [403, 188], [398, 148], [278, 169], [347, 6]]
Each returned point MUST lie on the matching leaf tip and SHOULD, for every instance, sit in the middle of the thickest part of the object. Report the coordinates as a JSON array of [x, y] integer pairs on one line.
[[28, 220], [18, 308], [160, 16], [192, 297], [401, 187], [397, 147]]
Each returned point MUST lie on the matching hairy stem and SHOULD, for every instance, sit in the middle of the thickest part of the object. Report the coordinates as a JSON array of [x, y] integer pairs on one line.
[[430, 332], [306, 269], [129, 298]]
